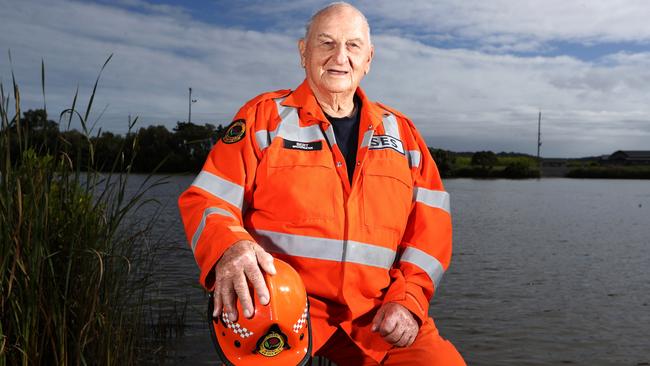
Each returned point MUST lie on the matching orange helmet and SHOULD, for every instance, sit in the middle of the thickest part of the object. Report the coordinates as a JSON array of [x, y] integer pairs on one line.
[[277, 334]]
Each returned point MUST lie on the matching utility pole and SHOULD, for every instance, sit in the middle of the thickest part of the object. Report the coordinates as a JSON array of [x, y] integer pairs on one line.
[[190, 101], [539, 138]]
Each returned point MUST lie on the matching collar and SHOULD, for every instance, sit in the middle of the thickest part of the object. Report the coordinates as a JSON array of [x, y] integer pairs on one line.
[[304, 99]]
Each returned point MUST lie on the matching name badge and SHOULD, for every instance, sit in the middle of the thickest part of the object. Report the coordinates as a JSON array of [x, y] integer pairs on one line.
[[306, 146]]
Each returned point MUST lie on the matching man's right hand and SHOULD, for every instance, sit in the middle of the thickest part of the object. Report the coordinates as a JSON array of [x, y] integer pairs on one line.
[[238, 265]]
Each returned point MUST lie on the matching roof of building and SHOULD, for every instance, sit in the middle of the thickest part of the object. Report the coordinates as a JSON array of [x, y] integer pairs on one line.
[[633, 154]]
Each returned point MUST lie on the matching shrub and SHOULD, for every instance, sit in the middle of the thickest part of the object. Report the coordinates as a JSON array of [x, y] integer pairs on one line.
[[485, 159]]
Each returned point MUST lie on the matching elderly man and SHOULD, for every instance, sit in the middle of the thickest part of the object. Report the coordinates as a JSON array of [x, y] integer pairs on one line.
[[342, 188]]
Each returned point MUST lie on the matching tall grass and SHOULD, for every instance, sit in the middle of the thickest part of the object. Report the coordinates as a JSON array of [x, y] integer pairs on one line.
[[72, 268]]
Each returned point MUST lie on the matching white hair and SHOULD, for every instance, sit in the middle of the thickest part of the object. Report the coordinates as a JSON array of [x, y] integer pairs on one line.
[[319, 12]]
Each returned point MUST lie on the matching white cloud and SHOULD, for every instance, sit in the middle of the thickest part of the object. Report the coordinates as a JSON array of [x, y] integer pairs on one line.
[[460, 99], [495, 25], [460, 92], [506, 22], [156, 58]]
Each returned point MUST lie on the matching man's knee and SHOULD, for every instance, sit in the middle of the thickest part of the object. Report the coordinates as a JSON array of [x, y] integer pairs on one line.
[[429, 348]]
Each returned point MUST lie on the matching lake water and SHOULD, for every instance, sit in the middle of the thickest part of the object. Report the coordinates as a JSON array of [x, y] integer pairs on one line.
[[544, 272]]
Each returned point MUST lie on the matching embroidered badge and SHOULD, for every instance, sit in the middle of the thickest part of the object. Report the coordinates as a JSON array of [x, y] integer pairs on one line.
[[272, 343], [235, 132], [379, 142]]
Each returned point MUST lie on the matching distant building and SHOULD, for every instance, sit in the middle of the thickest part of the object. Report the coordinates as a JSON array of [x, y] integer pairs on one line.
[[629, 157], [554, 162]]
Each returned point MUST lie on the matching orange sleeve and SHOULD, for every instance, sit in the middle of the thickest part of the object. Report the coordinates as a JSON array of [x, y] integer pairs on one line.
[[425, 250], [212, 208]]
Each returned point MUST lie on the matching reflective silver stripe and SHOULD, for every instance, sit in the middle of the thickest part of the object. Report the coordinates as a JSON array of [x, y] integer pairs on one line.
[[263, 139], [390, 126], [367, 254], [329, 134], [429, 264], [220, 188], [367, 137], [325, 249], [286, 113], [208, 211], [289, 127], [436, 199], [414, 158]]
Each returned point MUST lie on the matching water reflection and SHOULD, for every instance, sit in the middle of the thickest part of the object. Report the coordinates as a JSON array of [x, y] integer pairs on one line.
[[544, 272]]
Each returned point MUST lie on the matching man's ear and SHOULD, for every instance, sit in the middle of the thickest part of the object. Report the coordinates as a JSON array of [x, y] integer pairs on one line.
[[372, 54], [301, 49]]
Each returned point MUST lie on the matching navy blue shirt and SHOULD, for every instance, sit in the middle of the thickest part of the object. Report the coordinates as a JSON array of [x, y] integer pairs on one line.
[[346, 133]]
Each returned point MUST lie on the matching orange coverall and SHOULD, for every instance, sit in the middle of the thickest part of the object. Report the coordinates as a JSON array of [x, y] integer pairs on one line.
[[278, 178]]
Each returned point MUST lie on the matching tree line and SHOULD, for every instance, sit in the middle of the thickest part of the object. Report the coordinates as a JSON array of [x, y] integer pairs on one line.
[[149, 149], [185, 148], [485, 164]]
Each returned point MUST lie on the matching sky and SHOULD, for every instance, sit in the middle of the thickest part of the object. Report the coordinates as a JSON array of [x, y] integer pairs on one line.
[[472, 75]]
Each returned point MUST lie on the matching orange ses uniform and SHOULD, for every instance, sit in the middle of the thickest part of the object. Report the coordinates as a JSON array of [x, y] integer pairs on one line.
[[278, 178]]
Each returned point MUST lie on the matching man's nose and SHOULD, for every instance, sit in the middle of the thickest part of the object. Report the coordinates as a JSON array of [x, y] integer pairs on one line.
[[341, 55]]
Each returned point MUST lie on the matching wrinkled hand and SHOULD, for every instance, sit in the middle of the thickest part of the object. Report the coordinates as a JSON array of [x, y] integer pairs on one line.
[[238, 263], [396, 324]]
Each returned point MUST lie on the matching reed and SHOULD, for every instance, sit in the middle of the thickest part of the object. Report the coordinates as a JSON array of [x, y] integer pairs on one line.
[[73, 266]]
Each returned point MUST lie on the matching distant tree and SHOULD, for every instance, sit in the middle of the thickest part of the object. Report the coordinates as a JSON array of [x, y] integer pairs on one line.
[[182, 150], [193, 142], [220, 132], [444, 160], [519, 169], [74, 145], [42, 132], [107, 149], [484, 159], [154, 145]]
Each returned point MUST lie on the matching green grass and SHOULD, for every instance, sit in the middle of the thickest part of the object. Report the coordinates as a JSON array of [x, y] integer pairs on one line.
[[463, 161], [502, 161], [511, 160], [73, 267]]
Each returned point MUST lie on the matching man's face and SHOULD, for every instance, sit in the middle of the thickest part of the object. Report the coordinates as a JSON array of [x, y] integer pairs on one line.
[[337, 53]]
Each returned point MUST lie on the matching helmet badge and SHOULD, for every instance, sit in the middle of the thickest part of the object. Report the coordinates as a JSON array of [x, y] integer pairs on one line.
[[272, 343]]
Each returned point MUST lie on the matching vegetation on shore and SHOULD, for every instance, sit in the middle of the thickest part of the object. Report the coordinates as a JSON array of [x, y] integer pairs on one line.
[[610, 172], [485, 164], [185, 148], [73, 264], [182, 150]]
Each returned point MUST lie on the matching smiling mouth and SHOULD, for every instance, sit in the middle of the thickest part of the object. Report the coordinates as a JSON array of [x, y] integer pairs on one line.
[[337, 72]]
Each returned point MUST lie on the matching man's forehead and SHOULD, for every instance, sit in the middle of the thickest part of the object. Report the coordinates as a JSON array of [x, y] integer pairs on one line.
[[328, 35]]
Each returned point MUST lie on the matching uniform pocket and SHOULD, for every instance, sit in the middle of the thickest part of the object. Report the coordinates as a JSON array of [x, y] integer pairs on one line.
[[297, 185], [387, 194]]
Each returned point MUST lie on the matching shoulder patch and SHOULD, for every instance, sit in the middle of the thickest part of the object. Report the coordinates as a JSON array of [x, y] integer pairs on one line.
[[235, 132]]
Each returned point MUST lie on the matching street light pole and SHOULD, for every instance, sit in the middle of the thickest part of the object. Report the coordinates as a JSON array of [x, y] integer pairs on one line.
[[189, 102]]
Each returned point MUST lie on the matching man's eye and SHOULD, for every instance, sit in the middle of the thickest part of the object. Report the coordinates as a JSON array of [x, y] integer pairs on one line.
[[353, 45]]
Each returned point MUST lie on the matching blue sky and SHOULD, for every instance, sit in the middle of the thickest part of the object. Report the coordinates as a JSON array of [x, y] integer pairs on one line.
[[472, 74]]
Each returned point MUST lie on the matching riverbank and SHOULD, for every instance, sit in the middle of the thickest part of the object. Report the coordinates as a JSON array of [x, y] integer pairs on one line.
[[488, 165]]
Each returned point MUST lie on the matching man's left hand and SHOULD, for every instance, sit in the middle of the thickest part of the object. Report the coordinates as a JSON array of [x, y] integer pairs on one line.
[[396, 324]]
